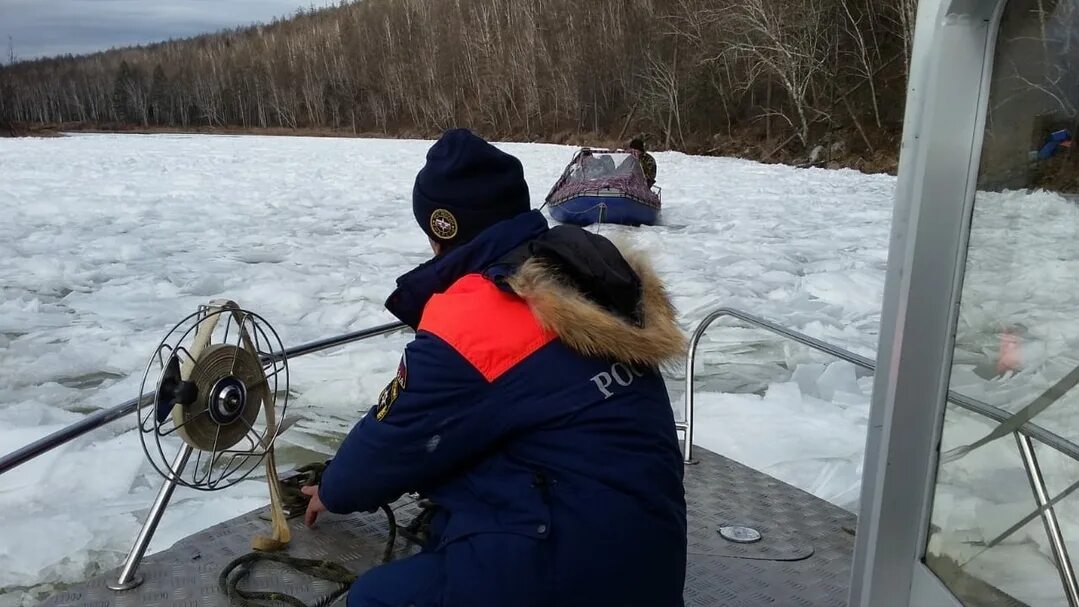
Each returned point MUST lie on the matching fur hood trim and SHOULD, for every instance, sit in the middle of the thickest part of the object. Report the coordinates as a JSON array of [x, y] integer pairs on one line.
[[594, 331]]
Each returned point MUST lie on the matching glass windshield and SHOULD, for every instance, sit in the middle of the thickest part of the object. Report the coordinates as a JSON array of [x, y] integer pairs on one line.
[[1005, 518]]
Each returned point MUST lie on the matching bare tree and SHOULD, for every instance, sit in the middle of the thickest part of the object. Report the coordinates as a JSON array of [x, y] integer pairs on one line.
[[661, 88], [863, 59], [790, 41], [903, 15]]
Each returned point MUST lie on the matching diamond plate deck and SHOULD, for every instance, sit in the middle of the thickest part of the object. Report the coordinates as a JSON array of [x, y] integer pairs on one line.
[[802, 560]]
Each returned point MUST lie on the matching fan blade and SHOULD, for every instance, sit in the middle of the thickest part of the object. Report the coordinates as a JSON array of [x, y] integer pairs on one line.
[[166, 392]]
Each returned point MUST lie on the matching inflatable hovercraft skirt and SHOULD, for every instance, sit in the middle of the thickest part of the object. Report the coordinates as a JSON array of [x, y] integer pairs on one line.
[[589, 209]]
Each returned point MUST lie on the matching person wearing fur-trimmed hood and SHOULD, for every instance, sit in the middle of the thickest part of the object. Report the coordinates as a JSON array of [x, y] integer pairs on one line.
[[530, 408]]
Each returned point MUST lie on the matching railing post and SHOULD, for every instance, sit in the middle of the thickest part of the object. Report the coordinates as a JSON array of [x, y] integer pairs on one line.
[[128, 578], [691, 356]]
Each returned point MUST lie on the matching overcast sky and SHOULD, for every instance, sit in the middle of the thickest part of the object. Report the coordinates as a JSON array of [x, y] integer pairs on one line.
[[41, 28]]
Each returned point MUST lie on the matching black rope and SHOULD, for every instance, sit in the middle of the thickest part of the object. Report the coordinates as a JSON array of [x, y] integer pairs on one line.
[[321, 569], [391, 521], [417, 530], [296, 502]]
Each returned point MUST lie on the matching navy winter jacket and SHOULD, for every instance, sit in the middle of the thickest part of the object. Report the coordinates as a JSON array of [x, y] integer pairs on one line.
[[530, 408]]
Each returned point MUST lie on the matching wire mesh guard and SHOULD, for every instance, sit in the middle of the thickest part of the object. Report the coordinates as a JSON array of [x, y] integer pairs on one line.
[[218, 383]]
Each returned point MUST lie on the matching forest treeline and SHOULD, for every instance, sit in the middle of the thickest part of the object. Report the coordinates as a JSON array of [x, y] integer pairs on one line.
[[697, 75]]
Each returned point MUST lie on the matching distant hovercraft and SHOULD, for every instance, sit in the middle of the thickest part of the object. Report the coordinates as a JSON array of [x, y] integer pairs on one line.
[[604, 186]]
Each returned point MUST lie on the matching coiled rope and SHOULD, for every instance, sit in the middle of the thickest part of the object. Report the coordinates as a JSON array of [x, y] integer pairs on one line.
[[295, 504]]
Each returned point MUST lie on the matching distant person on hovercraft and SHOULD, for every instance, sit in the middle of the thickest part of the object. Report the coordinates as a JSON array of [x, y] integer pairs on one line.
[[648, 163], [529, 408]]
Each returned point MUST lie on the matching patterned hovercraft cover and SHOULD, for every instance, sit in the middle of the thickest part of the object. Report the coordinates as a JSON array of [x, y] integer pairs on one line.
[[608, 186]]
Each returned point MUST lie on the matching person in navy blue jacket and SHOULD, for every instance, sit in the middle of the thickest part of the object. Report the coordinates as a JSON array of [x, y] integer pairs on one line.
[[530, 408]]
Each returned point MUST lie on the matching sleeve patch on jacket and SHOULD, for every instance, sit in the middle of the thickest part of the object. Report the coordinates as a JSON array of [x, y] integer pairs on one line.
[[392, 390]]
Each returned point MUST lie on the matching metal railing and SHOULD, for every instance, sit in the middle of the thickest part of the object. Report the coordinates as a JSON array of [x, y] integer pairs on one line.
[[767, 325], [100, 418], [128, 578], [1024, 434]]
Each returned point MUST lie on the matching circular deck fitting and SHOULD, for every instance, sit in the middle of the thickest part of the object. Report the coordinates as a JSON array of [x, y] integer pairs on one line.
[[740, 534], [134, 582]]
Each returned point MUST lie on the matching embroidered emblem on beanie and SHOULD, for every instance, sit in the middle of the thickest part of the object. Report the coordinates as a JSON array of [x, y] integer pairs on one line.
[[443, 224]]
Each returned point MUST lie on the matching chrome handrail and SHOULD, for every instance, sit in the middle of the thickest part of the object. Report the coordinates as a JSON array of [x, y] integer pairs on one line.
[[100, 418], [767, 325], [1039, 433], [1023, 434]]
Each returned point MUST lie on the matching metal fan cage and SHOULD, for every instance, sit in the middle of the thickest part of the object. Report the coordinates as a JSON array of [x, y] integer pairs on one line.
[[215, 468]]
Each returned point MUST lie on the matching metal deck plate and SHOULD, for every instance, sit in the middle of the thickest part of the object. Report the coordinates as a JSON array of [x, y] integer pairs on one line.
[[802, 559]]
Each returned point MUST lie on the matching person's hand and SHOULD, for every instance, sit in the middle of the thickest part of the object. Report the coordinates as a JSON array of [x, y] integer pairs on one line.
[[314, 507]]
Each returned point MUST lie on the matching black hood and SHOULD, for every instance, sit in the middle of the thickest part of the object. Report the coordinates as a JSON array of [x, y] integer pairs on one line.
[[586, 262]]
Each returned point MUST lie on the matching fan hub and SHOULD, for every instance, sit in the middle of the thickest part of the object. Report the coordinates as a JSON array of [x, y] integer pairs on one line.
[[227, 399]]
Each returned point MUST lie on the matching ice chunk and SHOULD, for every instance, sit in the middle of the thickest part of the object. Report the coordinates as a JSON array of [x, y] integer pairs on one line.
[[807, 377], [26, 556], [837, 377], [205, 285], [24, 483]]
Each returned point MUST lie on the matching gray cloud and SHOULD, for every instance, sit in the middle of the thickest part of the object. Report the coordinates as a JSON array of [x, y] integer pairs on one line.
[[41, 28]]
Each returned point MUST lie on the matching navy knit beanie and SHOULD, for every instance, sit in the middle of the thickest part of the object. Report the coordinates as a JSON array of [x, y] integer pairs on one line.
[[467, 186]]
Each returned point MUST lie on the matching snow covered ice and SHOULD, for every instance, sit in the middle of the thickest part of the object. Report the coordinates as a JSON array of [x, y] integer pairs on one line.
[[107, 240]]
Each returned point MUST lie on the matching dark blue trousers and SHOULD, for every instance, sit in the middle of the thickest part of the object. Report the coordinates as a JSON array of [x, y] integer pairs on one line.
[[416, 581]]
